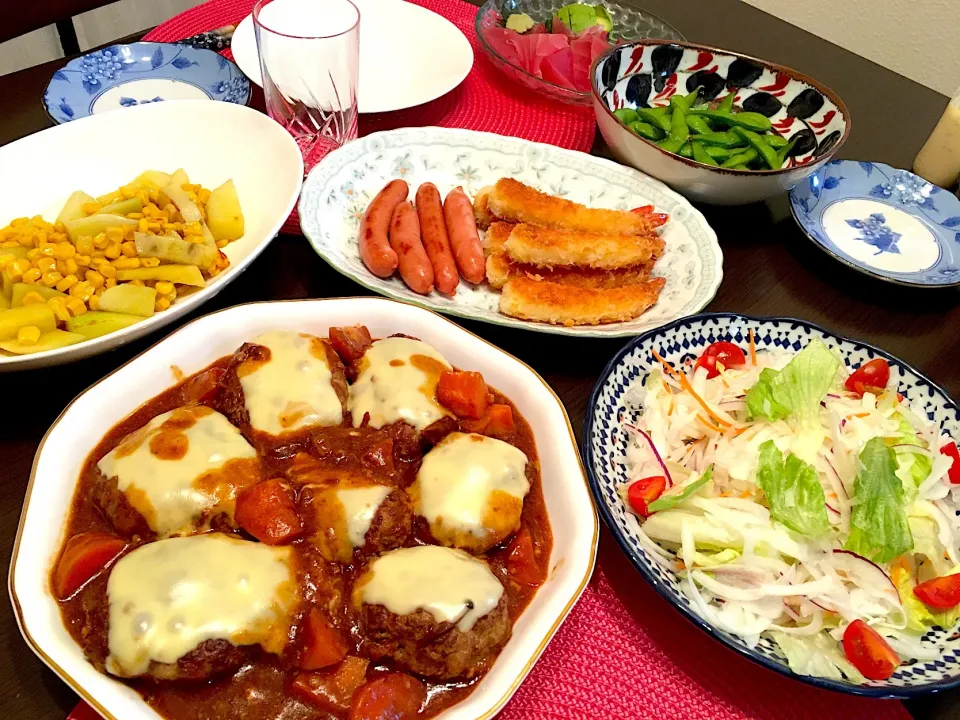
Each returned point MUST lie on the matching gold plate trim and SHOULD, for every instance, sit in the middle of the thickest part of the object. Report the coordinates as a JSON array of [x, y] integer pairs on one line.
[[498, 705]]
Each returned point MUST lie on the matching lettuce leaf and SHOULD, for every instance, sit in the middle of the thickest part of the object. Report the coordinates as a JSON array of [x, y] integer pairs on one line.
[[668, 502], [912, 468], [879, 529], [926, 542], [819, 656], [793, 491], [920, 618], [795, 393]]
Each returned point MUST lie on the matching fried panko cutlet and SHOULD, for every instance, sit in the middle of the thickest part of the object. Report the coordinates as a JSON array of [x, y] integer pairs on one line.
[[481, 210], [513, 201], [501, 268], [496, 236], [550, 247], [550, 302]]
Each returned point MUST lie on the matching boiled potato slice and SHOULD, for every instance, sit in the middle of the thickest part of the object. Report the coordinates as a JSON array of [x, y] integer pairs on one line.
[[21, 289], [95, 224], [180, 274], [12, 320], [96, 323], [154, 178], [174, 249], [50, 340], [73, 208], [129, 299], [133, 205], [187, 207], [179, 178], [224, 216]]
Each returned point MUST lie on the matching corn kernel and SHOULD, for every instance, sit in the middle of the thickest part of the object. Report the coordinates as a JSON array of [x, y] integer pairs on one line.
[[192, 228], [10, 243], [164, 288], [25, 240], [34, 254], [28, 335], [59, 307], [33, 298], [19, 221], [68, 282], [112, 251], [107, 270], [135, 215], [204, 195], [67, 267], [110, 282], [127, 193], [76, 306], [64, 251], [17, 268], [138, 283], [31, 276], [45, 264], [46, 250], [82, 260], [161, 304], [84, 245], [149, 262], [115, 234], [94, 278], [154, 226], [91, 207], [129, 249], [57, 237], [222, 243], [82, 290], [126, 263], [51, 278], [94, 303], [143, 224], [101, 241]]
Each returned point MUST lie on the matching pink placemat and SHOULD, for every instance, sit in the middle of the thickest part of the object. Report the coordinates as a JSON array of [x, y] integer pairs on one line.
[[485, 101], [638, 659]]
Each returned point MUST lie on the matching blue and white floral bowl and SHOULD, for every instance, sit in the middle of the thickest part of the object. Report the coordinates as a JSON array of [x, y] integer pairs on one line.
[[604, 440], [142, 73], [882, 221]]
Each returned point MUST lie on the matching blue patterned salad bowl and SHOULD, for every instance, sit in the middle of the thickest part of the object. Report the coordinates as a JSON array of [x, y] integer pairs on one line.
[[884, 222], [140, 73], [605, 440]]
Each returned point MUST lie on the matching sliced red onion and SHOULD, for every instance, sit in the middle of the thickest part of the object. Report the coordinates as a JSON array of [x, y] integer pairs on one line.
[[832, 509], [656, 454], [833, 469], [819, 604], [834, 396], [863, 568], [913, 448]]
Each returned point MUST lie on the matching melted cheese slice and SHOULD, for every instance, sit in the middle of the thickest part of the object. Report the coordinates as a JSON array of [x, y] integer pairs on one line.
[[167, 597], [292, 389], [360, 505], [449, 584], [398, 381], [181, 465], [471, 485]]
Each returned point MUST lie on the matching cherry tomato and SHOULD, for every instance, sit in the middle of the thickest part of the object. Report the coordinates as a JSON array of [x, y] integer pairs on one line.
[[868, 651], [869, 377], [942, 593], [726, 353], [951, 451], [645, 491]]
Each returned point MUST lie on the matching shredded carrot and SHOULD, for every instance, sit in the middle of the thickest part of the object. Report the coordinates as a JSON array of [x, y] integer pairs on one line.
[[725, 494], [724, 381], [740, 431], [745, 494], [753, 348], [861, 415], [685, 384], [715, 428]]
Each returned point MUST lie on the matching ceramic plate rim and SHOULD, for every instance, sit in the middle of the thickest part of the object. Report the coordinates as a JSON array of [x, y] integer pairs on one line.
[[245, 28], [608, 519], [598, 331], [863, 269]]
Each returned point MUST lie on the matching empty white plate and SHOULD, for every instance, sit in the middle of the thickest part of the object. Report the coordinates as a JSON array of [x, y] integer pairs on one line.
[[408, 55]]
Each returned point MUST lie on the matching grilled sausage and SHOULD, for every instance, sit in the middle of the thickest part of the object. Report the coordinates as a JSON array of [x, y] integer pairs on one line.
[[464, 238], [433, 233], [375, 248], [415, 267]]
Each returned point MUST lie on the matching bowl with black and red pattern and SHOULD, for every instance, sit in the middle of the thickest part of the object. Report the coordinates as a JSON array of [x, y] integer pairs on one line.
[[646, 74]]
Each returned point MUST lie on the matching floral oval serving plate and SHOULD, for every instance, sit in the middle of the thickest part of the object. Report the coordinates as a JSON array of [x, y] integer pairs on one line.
[[141, 73], [885, 222], [605, 440], [338, 190]]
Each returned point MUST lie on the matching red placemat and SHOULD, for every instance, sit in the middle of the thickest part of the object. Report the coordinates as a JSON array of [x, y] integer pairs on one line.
[[485, 101], [643, 661]]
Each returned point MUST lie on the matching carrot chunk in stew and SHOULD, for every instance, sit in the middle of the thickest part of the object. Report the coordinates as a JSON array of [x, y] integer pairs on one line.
[[465, 393], [333, 689], [202, 387], [323, 646], [522, 560], [350, 343], [84, 556], [497, 421], [394, 696], [268, 512]]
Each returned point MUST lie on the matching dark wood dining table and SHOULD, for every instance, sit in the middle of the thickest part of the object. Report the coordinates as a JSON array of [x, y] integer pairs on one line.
[[770, 269]]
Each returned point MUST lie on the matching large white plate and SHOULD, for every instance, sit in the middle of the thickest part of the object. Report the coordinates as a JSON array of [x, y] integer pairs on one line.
[[408, 55], [212, 141], [339, 188], [193, 347]]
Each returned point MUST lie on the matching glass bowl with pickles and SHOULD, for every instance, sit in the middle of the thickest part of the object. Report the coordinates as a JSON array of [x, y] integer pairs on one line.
[[719, 127]]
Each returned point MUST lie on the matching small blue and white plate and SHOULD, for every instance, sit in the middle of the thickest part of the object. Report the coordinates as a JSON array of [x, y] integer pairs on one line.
[[141, 73], [885, 222], [605, 442]]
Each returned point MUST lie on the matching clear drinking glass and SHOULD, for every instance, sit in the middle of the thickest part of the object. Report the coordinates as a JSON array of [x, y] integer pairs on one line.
[[309, 58]]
